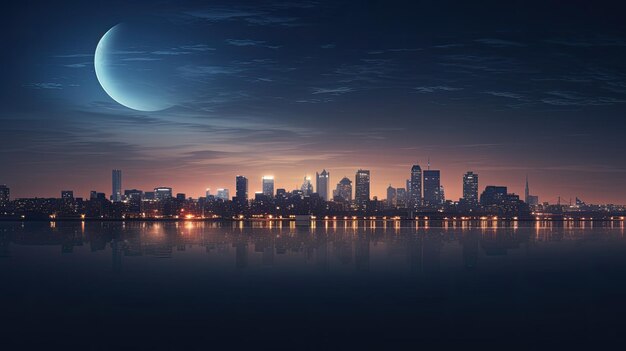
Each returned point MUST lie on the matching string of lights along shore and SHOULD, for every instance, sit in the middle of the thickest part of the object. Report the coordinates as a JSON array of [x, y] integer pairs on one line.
[[421, 197]]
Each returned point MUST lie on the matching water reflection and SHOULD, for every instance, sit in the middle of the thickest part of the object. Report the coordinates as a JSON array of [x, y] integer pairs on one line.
[[412, 248]]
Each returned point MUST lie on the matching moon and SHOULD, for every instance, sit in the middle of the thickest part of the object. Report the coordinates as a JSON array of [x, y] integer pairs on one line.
[[128, 74]]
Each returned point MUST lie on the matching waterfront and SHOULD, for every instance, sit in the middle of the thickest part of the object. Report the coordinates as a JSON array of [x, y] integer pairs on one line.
[[99, 285]]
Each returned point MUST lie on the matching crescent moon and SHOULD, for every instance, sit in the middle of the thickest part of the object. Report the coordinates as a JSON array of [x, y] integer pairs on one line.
[[127, 93]]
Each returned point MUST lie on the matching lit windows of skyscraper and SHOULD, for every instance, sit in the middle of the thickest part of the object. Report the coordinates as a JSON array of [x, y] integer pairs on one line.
[[268, 186], [5, 194], [67, 195], [401, 196], [116, 193], [343, 192], [223, 194], [470, 188], [241, 189], [162, 193], [307, 187], [432, 184], [391, 196], [362, 188], [415, 191], [321, 183]]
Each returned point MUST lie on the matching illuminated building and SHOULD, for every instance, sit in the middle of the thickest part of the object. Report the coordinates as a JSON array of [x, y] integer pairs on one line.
[[162, 193], [432, 188], [392, 196], [307, 187], [470, 188], [401, 196], [321, 184], [343, 192], [415, 189], [116, 193], [67, 195], [5, 194], [362, 188], [241, 189], [268, 186], [223, 194]]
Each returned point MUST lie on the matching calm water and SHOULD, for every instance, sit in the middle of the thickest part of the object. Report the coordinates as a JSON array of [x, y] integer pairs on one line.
[[350, 285]]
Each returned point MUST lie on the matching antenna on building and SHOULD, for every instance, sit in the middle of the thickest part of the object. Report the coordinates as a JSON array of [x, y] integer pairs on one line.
[[429, 163]]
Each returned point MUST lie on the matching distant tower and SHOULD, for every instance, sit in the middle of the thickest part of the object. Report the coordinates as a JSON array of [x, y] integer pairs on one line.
[[307, 186], [526, 191], [5, 194], [432, 184], [415, 191], [392, 196], [362, 188], [321, 183], [116, 194], [470, 188], [241, 189], [343, 192], [268, 186]]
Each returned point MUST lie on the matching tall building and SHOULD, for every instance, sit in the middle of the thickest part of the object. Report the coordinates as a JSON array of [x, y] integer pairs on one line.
[[268, 186], [67, 195], [5, 194], [470, 188], [392, 196], [162, 193], [343, 192], [432, 188], [116, 193], [401, 196], [531, 200], [207, 192], [321, 184], [241, 189], [223, 194], [415, 189], [493, 195], [362, 188], [307, 187]]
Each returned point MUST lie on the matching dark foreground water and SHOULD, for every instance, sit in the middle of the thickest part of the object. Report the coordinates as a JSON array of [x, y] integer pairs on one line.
[[338, 285]]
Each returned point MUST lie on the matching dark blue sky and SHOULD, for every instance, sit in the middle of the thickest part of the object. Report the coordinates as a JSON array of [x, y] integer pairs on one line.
[[288, 88]]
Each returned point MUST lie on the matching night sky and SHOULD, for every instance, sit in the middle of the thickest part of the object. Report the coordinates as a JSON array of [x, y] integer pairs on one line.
[[505, 89]]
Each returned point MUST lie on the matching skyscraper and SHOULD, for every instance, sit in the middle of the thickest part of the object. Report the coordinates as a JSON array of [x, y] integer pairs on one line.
[[116, 193], [362, 188], [432, 184], [223, 194], [268, 186], [526, 191], [321, 183], [531, 200], [162, 193], [391, 196], [5, 194], [241, 189], [415, 191], [344, 190], [470, 188], [401, 197], [307, 187]]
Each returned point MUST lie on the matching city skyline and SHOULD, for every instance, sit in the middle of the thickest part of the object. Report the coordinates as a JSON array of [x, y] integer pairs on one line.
[[267, 182], [374, 86]]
